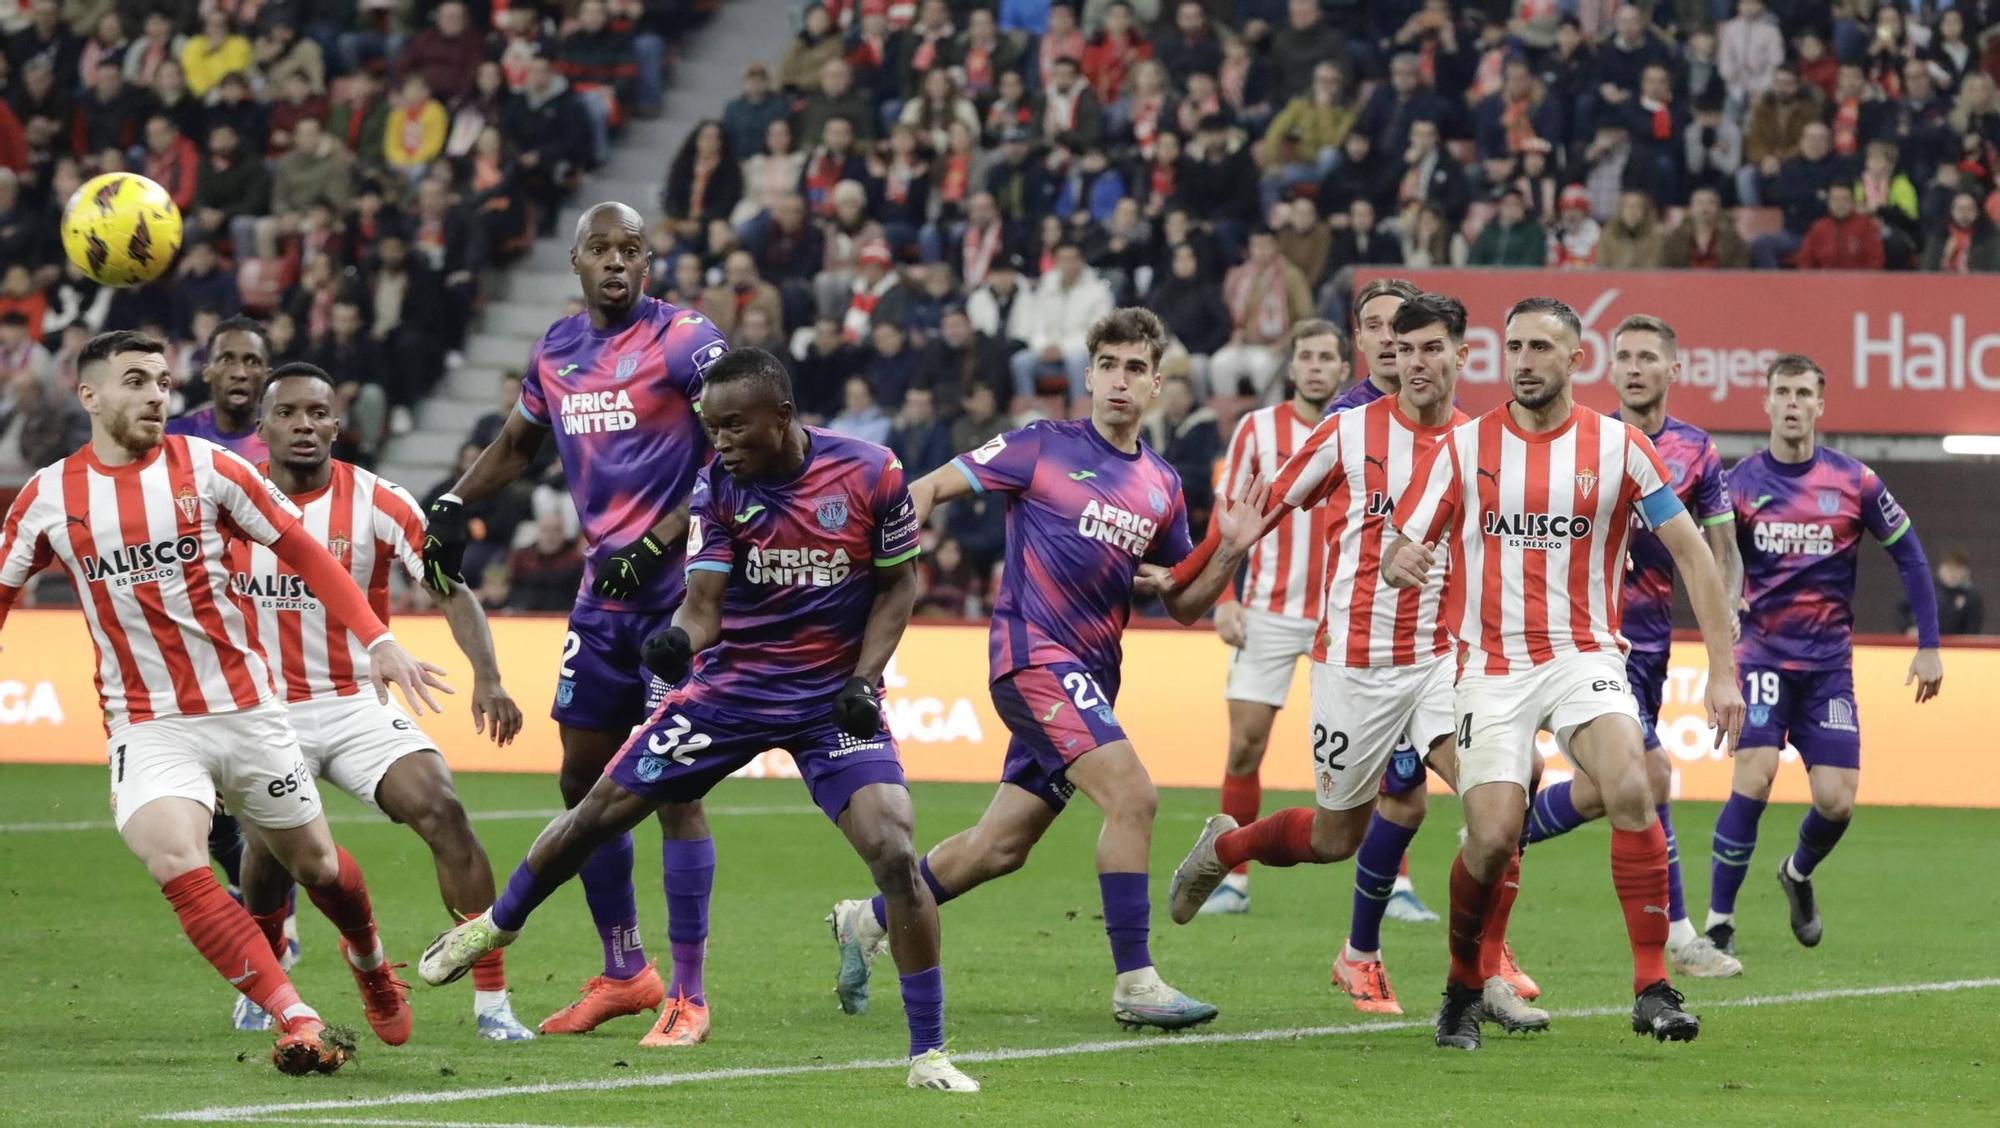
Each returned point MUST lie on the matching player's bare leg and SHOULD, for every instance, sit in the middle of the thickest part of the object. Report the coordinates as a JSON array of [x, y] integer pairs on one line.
[[1833, 791], [559, 854], [332, 880], [418, 792], [170, 836], [1752, 771], [1610, 749], [1242, 793], [1114, 778], [879, 823]]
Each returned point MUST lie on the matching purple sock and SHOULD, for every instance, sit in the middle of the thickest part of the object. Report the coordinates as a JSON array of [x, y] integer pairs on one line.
[[1375, 866], [1127, 913], [1551, 814], [607, 889], [1735, 841], [923, 1008], [938, 892], [688, 872], [1818, 835], [524, 894], [1676, 902]]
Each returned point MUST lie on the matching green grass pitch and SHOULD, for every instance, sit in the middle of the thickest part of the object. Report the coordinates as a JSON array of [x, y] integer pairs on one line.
[[110, 1017]]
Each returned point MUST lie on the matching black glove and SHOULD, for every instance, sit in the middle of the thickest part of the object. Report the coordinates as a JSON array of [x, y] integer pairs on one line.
[[444, 545], [856, 710], [668, 654], [625, 572]]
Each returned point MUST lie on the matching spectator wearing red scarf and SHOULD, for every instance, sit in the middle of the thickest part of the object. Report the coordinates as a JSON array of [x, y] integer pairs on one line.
[[1113, 52], [1967, 244]]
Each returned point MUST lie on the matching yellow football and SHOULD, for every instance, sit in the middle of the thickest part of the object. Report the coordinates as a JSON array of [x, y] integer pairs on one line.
[[122, 229]]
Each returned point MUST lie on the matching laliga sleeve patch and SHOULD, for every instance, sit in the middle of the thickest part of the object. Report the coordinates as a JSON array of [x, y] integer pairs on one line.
[[991, 450]]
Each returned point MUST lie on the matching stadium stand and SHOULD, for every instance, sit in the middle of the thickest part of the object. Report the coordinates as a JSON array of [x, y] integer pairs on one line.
[[921, 203]]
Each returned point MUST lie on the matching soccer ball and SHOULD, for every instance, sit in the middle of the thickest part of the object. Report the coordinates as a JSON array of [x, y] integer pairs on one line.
[[121, 229]]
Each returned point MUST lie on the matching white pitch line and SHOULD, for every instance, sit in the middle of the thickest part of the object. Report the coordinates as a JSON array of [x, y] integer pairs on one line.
[[532, 814], [1025, 1053], [417, 1123]]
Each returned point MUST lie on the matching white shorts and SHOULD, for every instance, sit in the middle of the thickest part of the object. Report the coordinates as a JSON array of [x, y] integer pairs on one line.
[[350, 741], [249, 757], [1261, 672], [1499, 716], [1361, 713]]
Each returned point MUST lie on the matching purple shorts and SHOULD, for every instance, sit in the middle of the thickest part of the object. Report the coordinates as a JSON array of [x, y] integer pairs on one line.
[[1055, 713], [1647, 671], [1813, 708], [686, 748], [601, 684]]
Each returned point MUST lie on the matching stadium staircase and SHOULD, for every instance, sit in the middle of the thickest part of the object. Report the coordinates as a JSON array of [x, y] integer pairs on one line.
[[523, 299]]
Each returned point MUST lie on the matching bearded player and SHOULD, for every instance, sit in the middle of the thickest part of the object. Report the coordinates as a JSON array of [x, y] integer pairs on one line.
[[138, 519], [1382, 672], [1088, 504], [370, 750], [618, 386], [1536, 500], [802, 549], [1800, 513], [1645, 362]]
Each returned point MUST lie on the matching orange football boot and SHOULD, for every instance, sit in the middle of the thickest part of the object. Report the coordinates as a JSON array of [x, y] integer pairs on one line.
[[304, 1048], [682, 1023], [1510, 970], [385, 998], [1367, 984], [605, 998]]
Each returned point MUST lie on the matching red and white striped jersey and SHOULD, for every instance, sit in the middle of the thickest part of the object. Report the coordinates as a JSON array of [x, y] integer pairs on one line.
[[368, 524], [1349, 472], [1538, 525], [144, 545], [1286, 573]]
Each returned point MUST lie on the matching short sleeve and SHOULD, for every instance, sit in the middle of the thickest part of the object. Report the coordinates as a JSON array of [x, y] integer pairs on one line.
[[249, 501], [1430, 504], [1711, 489], [399, 527], [1006, 463], [1880, 512], [693, 345], [1172, 544], [897, 534], [1313, 470], [710, 545], [534, 405], [24, 549]]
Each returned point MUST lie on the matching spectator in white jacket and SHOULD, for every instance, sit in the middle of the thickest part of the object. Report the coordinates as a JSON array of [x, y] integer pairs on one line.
[[1053, 320], [1749, 50]]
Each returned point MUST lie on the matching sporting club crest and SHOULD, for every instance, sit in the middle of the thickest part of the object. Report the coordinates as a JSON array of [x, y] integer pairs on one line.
[[189, 503], [338, 546], [1586, 481], [831, 512], [627, 364]]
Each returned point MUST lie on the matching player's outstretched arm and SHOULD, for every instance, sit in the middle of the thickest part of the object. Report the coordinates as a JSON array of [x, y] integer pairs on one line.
[[937, 487], [1239, 523], [504, 460], [493, 709], [1714, 612]]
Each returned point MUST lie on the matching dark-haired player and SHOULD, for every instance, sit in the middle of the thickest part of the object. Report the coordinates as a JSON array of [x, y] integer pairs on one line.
[[138, 518], [1645, 362], [801, 577], [617, 386], [1800, 513], [370, 749], [1088, 504], [239, 364]]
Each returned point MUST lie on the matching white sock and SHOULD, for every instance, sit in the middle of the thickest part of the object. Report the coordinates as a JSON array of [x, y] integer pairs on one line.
[[369, 960], [1792, 871], [1129, 981], [1351, 956], [297, 1011], [1680, 932], [1237, 881], [483, 1001], [1715, 918], [1403, 884]]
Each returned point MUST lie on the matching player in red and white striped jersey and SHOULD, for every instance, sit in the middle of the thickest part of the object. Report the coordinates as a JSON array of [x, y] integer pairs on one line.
[[139, 520], [1284, 583], [1536, 499], [1381, 667], [366, 747]]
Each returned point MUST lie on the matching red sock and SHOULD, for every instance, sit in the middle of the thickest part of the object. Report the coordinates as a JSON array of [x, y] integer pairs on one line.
[[1470, 904], [1242, 795], [344, 900], [489, 972], [223, 933], [1494, 935], [273, 927], [1639, 873], [1281, 839]]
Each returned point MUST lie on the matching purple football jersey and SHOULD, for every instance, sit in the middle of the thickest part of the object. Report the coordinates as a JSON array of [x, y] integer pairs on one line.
[[801, 556], [1363, 393], [1799, 525], [1694, 472], [201, 424], [621, 402], [1084, 515]]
